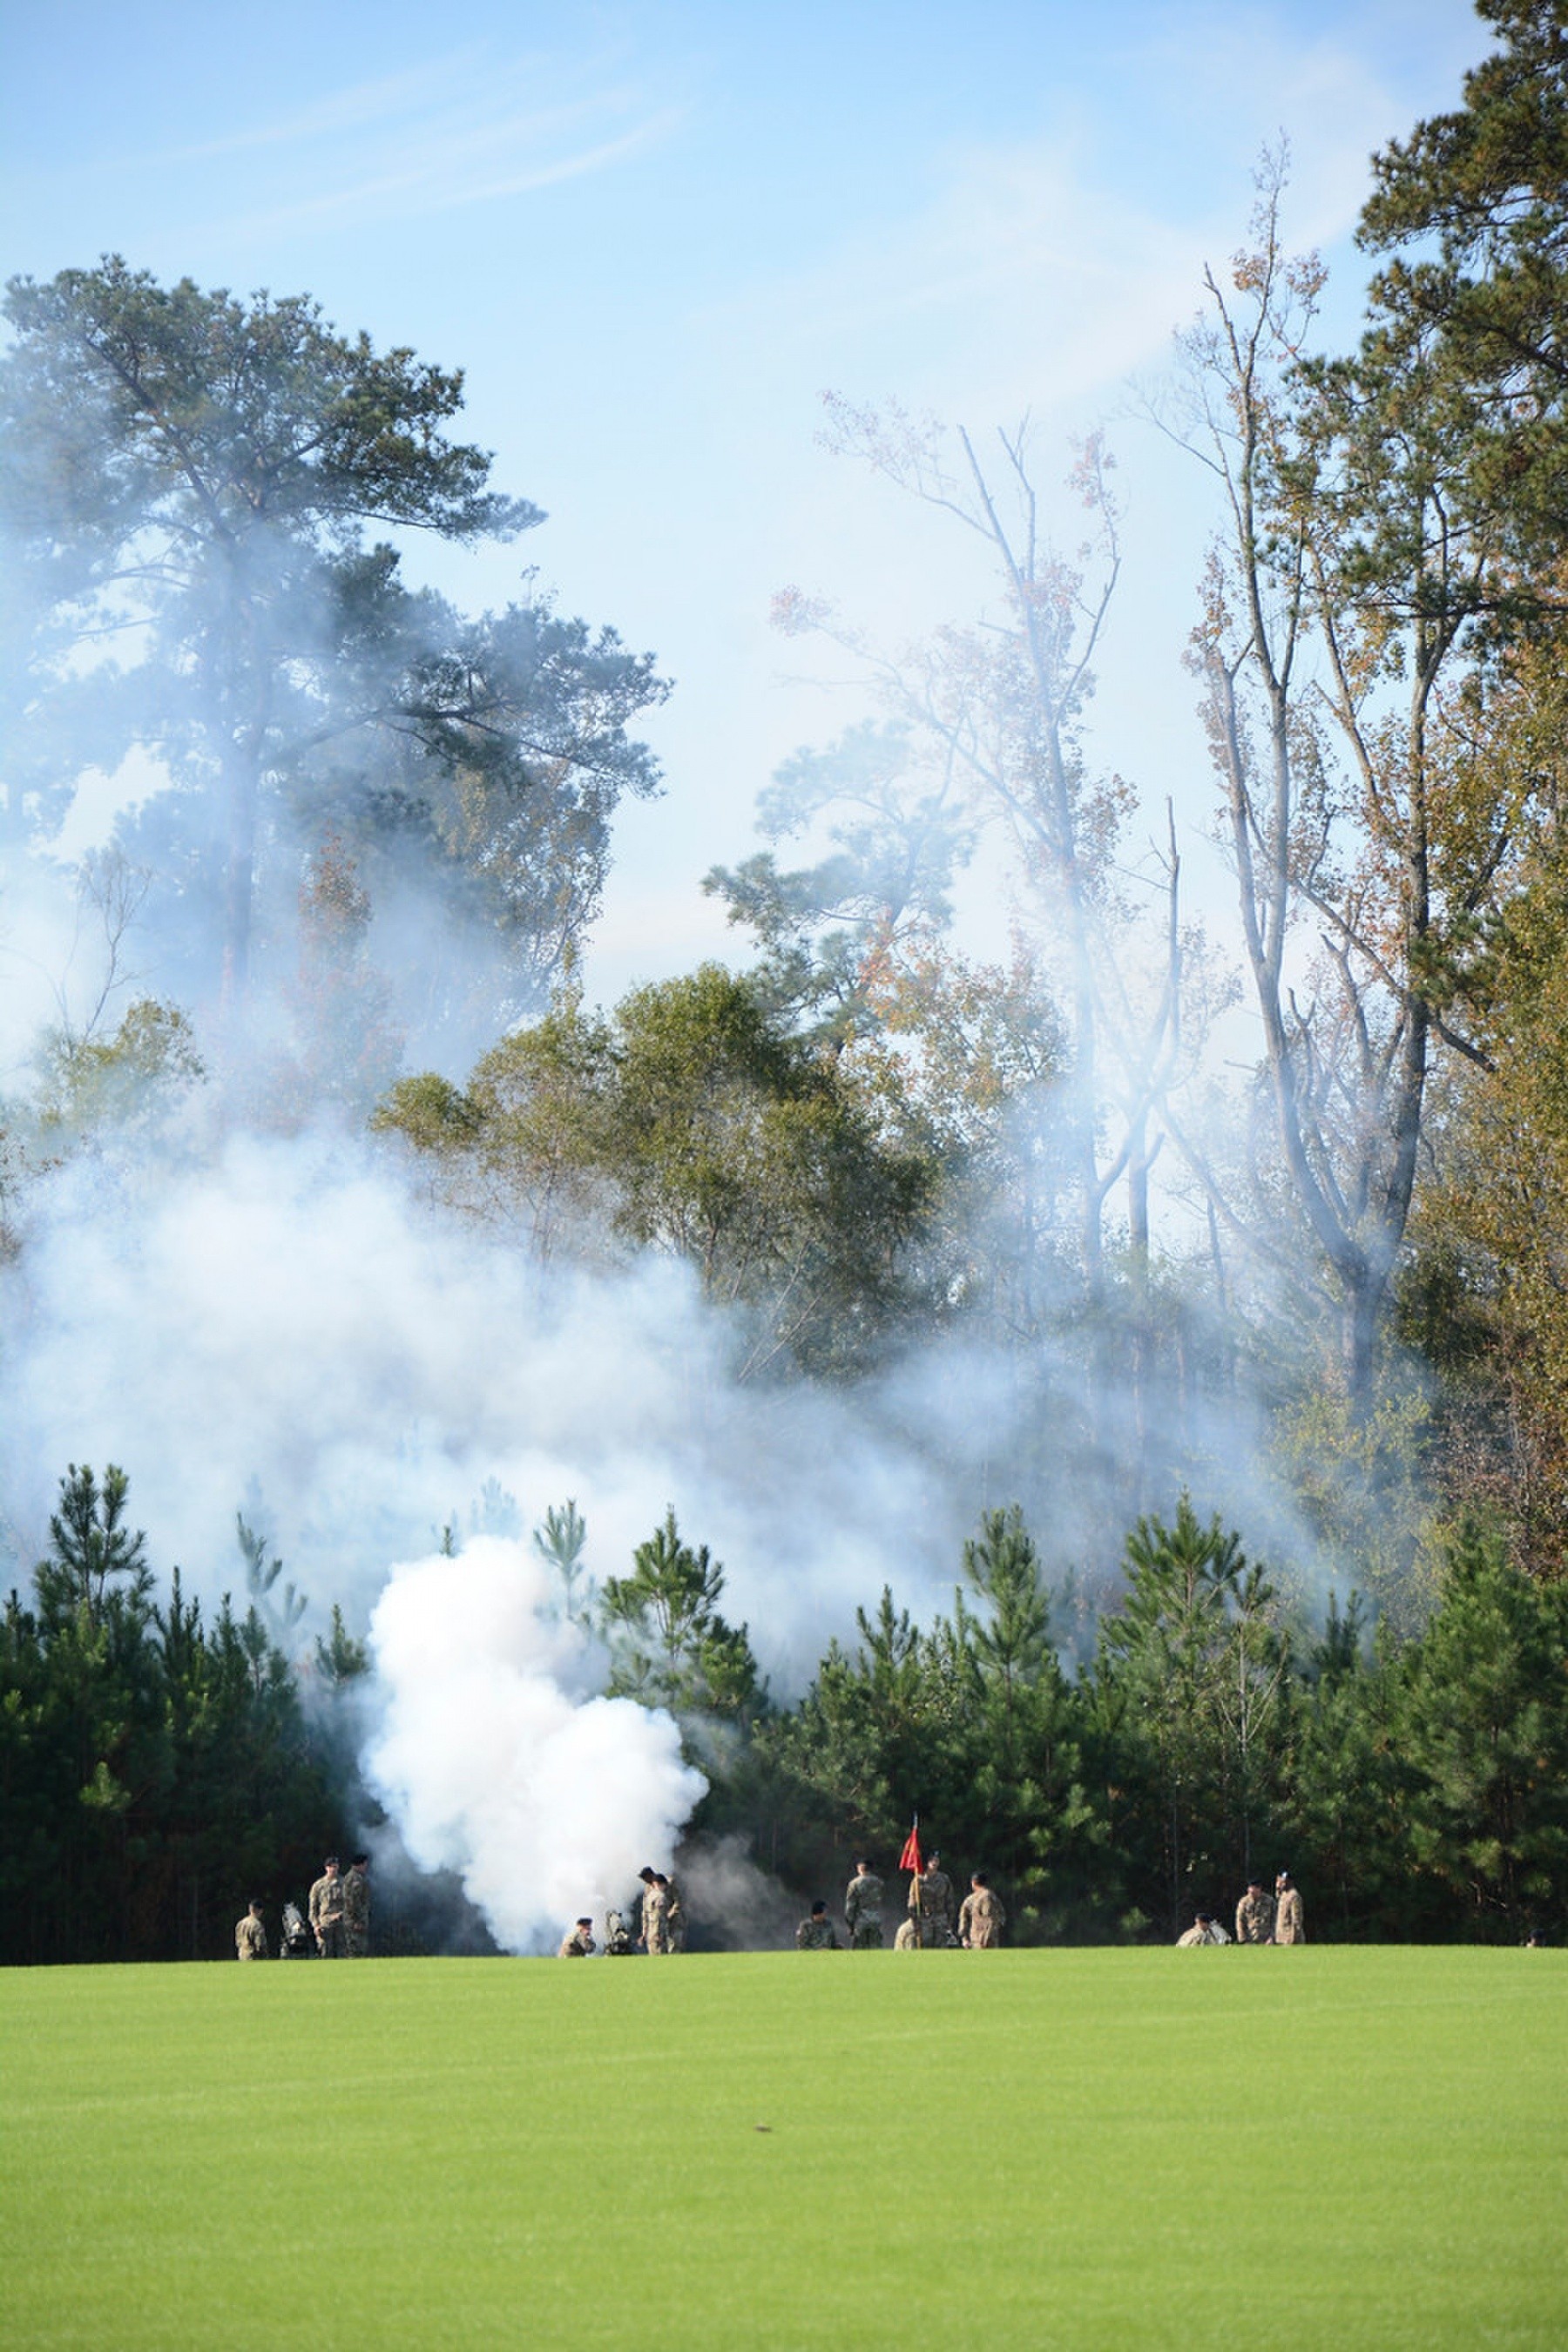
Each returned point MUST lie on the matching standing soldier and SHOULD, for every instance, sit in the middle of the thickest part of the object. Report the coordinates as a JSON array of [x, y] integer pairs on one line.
[[327, 1911], [250, 1936], [1254, 1914], [674, 1917], [654, 1912], [815, 1934], [863, 1910], [1288, 1926], [356, 1909], [579, 1942], [980, 1918], [930, 1903]]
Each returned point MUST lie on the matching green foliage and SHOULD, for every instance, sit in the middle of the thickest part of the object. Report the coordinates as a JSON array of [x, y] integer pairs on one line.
[[668, 1645], [1484, 1735], [1471, 208], [150, 1765], [261, 1577], [693, 1122], [339, 1659], [129, 1078], [560, 1543], [194, 476]]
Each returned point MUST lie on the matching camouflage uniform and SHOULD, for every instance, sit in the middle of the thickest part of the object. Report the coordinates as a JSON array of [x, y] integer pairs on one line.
[[656, 1919], [863, 1912], [576, 1946], [674, 1919], [981, 1920], [1255, 1918], [356, 1916], [907, 1940], [1288, 1926], [816, 1936], [930, 1903], [250, 1939], [1199, 1934], [327, 1917]]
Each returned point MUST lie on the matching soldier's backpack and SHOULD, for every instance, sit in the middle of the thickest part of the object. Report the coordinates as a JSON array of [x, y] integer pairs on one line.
[[617, 1935]]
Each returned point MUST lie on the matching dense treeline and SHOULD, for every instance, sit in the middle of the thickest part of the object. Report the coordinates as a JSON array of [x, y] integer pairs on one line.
[[1418, 1788], [155, 1772], [155, 1769]]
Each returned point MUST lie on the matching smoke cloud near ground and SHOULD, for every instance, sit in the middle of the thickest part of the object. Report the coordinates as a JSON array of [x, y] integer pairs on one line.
[[279, 1325], [544, 1800], [282, 1326]]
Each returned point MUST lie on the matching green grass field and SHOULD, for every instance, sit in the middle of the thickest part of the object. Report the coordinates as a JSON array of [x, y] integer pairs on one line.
[[1320, 2148]]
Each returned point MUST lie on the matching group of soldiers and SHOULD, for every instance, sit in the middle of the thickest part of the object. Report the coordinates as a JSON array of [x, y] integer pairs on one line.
[[1260, 1917], [931, 1924], [661, 1928], [339, 1917]]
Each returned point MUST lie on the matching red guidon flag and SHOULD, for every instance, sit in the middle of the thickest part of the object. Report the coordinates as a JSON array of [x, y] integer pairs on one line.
[[911, 1858]]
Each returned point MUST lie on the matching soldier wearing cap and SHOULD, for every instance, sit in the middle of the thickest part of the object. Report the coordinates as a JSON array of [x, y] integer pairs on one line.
[[1254, 1914], [1288, 1926], [327, 1911], [1205, 1929], [815, 1934], [863, 1910], [930, 1903], [980, 1918], [250, 1936], [578, 1942], [356, 1909]]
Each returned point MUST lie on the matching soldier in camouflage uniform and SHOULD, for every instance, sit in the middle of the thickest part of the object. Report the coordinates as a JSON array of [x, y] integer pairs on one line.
[[930, 1904], [655, 1913], [250, 1936], [327, 1911], [980, 1918], [815, 1934], [1254, 1914], [578, 1943], [1289, 1924], [863, 1910], [674, 1916], [907, 1939], [356, 1909], [1203, 1930]]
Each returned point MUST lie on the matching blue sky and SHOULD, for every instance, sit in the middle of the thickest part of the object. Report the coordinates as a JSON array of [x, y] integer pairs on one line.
[[654, 234]]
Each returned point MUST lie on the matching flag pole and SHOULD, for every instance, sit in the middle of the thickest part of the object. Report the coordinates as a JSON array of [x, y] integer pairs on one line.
[[911, 1860]]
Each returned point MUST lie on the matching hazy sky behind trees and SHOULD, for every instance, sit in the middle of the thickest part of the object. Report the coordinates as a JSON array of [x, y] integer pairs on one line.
[[654, 234]]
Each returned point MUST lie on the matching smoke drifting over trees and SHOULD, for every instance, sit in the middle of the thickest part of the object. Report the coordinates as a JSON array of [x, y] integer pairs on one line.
[[329, 1199]]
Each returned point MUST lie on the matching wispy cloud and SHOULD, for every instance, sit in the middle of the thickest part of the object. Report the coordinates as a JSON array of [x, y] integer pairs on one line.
[[1041, 271], [472, 126]]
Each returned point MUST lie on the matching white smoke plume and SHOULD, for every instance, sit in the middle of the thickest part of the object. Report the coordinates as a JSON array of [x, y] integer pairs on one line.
[[543, 1803], [281, 1325], [282, 1321]]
